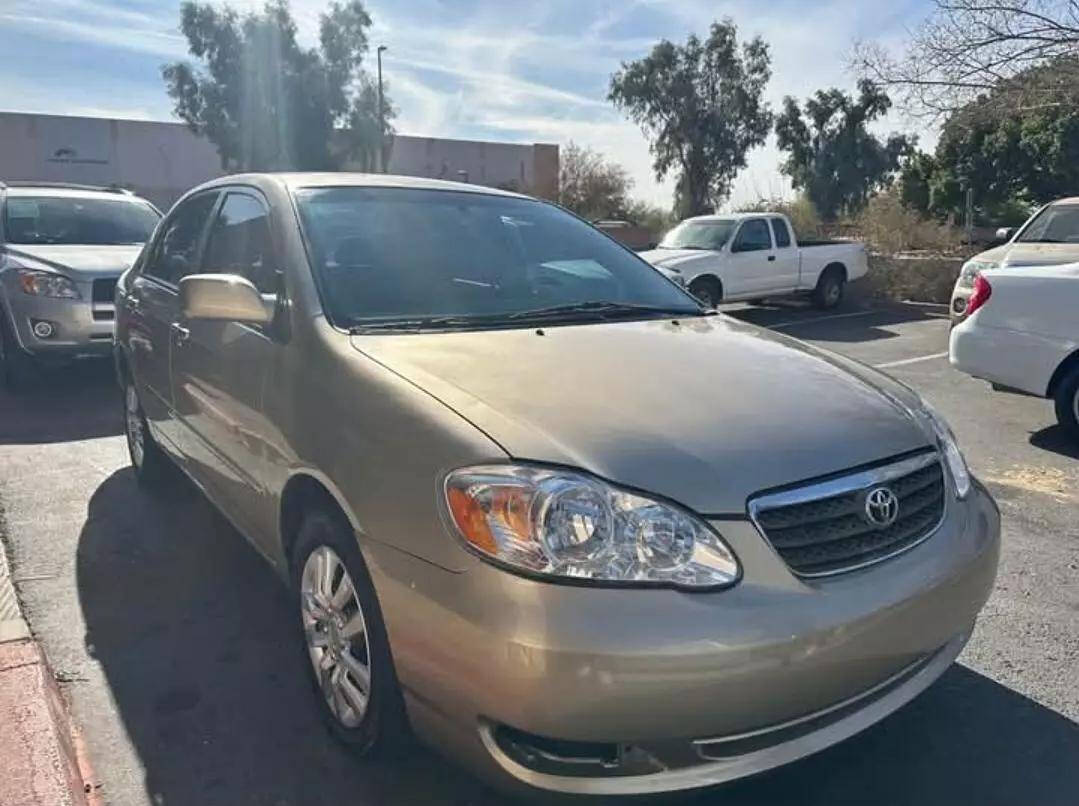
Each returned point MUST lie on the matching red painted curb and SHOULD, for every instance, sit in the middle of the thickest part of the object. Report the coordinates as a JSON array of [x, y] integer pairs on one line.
[[38, 764]]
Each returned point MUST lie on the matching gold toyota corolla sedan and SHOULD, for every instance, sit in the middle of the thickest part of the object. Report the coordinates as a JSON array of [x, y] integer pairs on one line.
[[536, 505]]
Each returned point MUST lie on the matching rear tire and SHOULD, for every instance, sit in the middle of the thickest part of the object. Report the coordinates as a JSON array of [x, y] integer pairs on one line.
[[17, 369], [147, 459], [1067, 402], [708, 290], [830, 287], [344, 638]]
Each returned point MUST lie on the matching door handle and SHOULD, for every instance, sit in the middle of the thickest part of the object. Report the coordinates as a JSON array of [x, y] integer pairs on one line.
[[180, 334], [771, 257]]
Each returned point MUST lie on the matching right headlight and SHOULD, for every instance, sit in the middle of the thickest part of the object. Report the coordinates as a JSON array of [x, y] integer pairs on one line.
[[568, 525], [47, 284], [970, 271]]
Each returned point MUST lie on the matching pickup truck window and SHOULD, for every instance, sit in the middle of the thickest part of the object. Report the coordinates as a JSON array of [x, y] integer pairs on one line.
[[783, 235], [753, 237], [1057, 223], [386, 255], [699, 235]]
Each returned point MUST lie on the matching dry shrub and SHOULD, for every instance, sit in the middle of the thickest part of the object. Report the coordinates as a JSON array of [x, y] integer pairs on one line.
[[887, 227]]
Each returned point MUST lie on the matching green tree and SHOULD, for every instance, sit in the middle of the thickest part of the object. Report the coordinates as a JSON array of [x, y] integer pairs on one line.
[[590, 185], [701, 107], [831, 155], [269, 103], [1010, 161]]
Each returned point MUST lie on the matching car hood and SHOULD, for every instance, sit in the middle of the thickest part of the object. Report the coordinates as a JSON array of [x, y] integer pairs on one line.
[[79, 262], [705, 412], [678, 258], [1032, 254]]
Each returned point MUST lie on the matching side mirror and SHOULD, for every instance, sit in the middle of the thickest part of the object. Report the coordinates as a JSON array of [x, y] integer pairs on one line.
[[1005, 233], [224, 297]]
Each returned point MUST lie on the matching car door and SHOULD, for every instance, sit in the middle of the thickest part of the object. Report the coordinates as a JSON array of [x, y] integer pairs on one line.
[[153, 305], [750, 270], [786, 254], [220, 371]]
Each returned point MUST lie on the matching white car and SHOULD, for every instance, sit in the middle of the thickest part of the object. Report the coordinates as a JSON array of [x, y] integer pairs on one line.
[[750, 256], [1022, 334]]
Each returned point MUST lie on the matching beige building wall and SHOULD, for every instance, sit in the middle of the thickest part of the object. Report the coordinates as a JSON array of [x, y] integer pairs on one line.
[[161, 161]]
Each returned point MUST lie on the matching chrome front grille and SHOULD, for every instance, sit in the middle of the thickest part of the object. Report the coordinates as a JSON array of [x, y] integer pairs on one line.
[[830, 526]]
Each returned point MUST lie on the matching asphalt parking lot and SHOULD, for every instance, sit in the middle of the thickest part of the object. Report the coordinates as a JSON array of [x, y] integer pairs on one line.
[[174, 643]]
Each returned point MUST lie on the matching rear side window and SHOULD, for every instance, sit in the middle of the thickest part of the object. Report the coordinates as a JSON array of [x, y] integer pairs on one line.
[[754, 236], [176, 251], [783, 235], [240, 242]]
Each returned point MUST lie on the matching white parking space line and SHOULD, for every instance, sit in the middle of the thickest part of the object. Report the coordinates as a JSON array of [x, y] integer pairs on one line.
[[906, 361], [821, 319]]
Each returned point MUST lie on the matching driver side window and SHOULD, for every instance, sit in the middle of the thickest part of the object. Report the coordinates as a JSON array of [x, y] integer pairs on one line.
[[240, 243], [753, 237]]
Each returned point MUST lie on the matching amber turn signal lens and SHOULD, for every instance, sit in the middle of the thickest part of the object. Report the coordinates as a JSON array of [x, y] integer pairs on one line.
[[471, 520]]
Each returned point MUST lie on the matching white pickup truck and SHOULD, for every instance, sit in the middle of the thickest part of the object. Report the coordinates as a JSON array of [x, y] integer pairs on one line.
[[750, 256]]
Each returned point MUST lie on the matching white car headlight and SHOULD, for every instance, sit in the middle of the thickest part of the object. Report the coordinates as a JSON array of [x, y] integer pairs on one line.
[[970, 271], [47, 284], [942, 434], [564, 524]]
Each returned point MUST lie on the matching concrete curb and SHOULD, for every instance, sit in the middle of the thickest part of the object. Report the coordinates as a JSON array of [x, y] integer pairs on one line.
[[38, 760]]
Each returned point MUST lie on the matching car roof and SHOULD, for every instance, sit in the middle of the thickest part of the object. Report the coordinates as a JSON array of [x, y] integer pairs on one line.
[[297, 181], [60, 192], [731, 216], [1068, 200]]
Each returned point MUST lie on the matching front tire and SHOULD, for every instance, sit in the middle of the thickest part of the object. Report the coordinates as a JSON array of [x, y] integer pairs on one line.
[[147, 458], [707, 290], [17, 369], [346, 649], [830, 287], [1067, 402]]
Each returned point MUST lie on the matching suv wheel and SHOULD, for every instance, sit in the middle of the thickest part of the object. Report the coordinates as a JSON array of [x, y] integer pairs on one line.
[[16, 367], [1067, 402], [344, 638], [147, 459]]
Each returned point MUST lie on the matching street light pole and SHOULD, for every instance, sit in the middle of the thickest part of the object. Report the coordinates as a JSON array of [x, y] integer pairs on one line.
[[381, 114]]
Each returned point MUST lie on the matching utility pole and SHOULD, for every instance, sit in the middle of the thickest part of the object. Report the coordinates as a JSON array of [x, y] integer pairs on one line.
[[381, 115]]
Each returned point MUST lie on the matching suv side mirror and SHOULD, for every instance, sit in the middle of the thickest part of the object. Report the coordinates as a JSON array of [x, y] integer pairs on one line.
[[1005, 233], [224, 297]]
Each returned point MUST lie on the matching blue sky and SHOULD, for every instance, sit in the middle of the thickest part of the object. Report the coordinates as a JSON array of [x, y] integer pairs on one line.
[[488, 69]]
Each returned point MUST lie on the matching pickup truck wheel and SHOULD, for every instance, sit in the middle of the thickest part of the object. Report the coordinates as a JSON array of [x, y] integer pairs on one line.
[[1067, 402], [707, 290], [829, 291], [17, 369], [147, 459], [345, 647]]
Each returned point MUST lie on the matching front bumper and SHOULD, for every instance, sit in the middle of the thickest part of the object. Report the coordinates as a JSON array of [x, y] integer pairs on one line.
[[80, 327], [691, 688]]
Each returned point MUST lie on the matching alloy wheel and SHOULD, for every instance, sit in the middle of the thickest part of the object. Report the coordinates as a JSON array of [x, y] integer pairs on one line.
[[336, 635], [136, 437]]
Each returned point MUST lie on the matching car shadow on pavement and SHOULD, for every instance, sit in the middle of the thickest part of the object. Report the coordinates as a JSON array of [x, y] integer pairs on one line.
[[1056, 439], [63, 404], [195, 635], [846, 324]]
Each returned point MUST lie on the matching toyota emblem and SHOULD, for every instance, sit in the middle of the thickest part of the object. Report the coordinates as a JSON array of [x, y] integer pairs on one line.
[[881, 507]]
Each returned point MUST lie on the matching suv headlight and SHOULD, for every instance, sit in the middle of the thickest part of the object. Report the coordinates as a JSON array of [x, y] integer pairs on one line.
[[942, 434], [970, 271], [568, 525], [47, 284]]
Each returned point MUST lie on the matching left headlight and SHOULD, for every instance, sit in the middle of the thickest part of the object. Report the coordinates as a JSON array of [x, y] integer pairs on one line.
[[948, 446], [563, 524], [47, 284]]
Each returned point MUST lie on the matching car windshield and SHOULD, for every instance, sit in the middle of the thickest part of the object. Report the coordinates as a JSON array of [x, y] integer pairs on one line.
[[1058, 223], [84, 221], [699, 235], [410, 256]]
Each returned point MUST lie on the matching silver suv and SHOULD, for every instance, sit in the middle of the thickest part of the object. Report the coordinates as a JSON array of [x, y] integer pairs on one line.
[[62, 249], [533, 502]]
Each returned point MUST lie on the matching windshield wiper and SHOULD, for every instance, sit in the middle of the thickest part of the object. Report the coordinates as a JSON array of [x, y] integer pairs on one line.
[[600, 308], [698, 248]]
